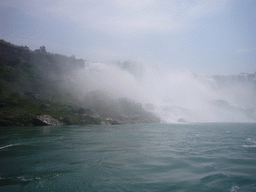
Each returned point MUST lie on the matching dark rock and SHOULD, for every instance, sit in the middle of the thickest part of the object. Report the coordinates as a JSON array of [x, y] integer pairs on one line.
[[181, 120], [46, 120], [110, 121], [115, 122], [69, 121]]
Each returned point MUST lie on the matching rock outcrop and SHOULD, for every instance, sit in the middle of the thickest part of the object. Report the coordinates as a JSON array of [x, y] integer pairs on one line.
[[46, 120]]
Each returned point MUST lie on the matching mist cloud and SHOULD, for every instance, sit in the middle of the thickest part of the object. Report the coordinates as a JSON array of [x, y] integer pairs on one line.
[[174, 96]]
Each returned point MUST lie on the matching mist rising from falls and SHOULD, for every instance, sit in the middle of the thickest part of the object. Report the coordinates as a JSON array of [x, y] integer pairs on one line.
[[174, 96]]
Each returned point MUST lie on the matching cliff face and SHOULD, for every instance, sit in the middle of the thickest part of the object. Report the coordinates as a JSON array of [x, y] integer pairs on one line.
[[33, 83], [35, 71]]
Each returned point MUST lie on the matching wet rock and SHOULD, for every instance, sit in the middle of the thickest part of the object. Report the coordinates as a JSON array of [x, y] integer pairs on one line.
[[46, 120], [181, 120], [110, 121], [69, 121]]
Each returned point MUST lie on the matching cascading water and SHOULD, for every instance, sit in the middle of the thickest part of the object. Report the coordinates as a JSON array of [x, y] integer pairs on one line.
[[174, 96]]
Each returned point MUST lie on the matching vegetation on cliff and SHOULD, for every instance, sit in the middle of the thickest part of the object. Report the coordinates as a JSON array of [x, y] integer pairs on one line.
[[22, 110], [33, 83]]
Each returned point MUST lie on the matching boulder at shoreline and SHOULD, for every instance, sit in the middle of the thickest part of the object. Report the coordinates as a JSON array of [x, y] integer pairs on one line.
[[46, 120]]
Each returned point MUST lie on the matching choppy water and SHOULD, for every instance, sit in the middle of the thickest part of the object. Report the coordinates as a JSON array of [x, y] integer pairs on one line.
[[156, 157]]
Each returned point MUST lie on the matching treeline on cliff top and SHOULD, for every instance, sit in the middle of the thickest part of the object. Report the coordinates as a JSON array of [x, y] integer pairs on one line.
[[33, 71], [31, 84]]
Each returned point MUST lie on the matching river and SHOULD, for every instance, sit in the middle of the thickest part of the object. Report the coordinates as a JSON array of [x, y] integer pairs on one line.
[[139, 157]]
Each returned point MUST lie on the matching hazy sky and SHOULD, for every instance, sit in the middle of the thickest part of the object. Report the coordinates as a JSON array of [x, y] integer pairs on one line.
[[202, 36]]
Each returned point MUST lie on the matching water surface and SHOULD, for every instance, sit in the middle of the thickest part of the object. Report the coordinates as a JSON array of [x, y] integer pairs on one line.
[[143, 157]]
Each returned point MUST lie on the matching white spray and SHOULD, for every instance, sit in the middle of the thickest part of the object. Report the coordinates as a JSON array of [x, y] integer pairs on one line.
[[174, 96]]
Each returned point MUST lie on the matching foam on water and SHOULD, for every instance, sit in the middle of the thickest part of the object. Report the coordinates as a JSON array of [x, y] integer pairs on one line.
[[250, 140], [249, 146], [234, 189], [6, 146]]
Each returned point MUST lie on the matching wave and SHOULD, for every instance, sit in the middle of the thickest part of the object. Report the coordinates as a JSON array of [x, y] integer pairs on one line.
[[249, 146], [6, 146], [234, 188], [250, 140]]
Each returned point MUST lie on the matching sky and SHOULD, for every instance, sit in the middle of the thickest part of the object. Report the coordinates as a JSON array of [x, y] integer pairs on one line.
[[202, 36]]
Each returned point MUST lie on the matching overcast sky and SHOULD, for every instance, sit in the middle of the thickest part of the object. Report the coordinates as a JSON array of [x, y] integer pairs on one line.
[[201, 36]]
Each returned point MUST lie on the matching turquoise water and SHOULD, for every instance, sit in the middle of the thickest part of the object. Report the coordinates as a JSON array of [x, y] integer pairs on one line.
[[144, 157]]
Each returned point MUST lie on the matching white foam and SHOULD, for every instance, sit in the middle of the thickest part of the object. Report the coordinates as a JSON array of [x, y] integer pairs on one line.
[[6, 146], [175, 95], [249, 146], [234, 188], [250, 140]]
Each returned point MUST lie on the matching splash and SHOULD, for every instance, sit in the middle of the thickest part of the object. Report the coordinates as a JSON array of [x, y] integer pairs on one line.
[[174, 96]]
